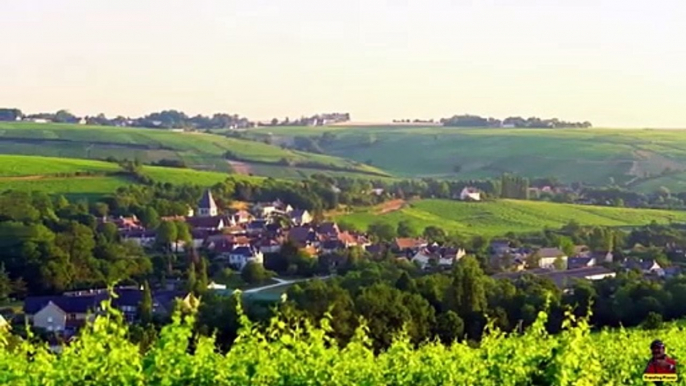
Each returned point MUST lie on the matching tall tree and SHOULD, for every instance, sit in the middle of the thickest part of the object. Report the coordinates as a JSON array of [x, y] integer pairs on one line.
[[467, 294], [145, 306], [201, 277], [191, 278], [5, 284]]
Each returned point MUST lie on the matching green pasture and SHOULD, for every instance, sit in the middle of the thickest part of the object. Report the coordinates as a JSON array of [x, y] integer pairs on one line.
[[593, 156], [199, 150], [503, 216]]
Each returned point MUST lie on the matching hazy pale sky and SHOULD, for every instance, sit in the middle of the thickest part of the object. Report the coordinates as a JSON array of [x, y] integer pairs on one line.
[[613, 62]]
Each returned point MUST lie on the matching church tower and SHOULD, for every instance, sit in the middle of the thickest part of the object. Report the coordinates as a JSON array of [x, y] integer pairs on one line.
[[207, 207]]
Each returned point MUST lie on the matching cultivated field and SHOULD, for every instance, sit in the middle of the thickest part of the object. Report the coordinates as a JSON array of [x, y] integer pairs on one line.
[[58, 176], [633, 157], [499, 217], [198, 150], [21, 166]]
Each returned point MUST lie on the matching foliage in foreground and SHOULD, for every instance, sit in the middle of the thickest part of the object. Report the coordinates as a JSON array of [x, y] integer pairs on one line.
[[282, 355]]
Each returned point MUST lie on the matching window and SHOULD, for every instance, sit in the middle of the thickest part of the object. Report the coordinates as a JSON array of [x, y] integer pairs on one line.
[[50, 320]]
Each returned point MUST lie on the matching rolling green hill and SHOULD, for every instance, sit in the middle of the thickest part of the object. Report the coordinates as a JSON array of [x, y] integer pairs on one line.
[[593, 156], [95, 178], [499, 217], [198, 150]]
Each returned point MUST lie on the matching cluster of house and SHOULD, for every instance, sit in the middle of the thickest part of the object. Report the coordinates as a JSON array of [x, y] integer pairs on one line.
[[65, 314], [564, 270], [243, 236], [422, 253]]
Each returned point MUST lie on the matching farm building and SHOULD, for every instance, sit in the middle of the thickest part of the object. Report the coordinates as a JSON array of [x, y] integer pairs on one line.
[[470, 194]]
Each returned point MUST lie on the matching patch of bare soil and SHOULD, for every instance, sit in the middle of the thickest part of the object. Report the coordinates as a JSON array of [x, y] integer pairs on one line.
[[391, 206], [240, 167]]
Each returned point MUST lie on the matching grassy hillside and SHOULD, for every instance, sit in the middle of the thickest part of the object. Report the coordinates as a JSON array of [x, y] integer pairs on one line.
[[500, 217], [57, 175], [590, 155], [198, 150]]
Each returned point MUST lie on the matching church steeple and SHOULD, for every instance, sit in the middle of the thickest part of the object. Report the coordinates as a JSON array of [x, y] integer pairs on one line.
[[207, 207]]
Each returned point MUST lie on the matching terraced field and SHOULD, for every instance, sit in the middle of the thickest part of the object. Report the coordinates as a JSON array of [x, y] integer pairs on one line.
[[198, 150], [593, 156], [499, 217]]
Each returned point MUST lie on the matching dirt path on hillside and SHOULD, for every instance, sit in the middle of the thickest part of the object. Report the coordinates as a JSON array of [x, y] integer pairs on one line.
[[239, 167], [391, 206]]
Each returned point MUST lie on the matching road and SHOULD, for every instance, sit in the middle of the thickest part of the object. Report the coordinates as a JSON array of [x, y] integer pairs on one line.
[[280, 282]]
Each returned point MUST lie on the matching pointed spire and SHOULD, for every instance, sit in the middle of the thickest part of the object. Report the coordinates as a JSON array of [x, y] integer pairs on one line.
[[207, 206], [207, 201]]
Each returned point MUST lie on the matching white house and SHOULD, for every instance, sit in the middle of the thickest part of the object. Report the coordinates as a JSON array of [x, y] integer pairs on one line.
[[241, 256], [549, 256], [424, 256], [242, 217], [647, 267], [300, 217], [267, 209], [470, 194]]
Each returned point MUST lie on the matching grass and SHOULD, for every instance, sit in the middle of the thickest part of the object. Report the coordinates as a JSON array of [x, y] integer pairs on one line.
[[72, 188], [46, 174], [499, 217], [15, 166], [593, 156], [198, 150], [190, 176]]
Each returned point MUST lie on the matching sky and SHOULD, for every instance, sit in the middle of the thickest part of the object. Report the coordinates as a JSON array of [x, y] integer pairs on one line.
[[616, 63]]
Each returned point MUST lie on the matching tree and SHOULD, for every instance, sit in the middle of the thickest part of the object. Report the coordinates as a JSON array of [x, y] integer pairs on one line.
[[191, 279], [567, 246], [467, 294], [183, 235], [145, 306], [405, 283], [10, 114], [149, 218], [5, 284], [560, 264], [64, 116], [533, 260], [254, 273], [435, 234], [167, 234], [382, 231], [653, 321], [317, 298], [100, 209], [449, 327], [201, 274], [405, 229]]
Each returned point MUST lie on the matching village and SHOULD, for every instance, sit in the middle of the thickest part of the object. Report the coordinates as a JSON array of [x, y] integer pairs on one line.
[[245, 237]]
